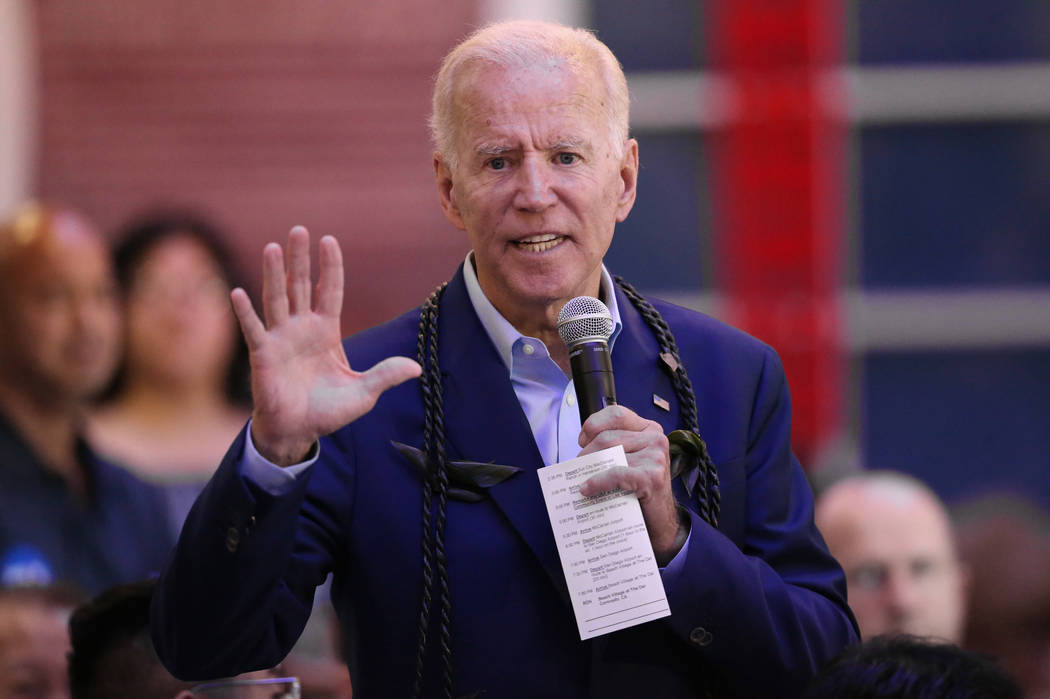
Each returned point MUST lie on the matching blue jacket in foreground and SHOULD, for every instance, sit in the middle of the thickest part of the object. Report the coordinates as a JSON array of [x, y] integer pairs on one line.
[[758, 606]]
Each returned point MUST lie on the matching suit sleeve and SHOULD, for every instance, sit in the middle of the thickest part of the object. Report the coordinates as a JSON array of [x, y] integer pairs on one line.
[[239, 587], [767, 614]]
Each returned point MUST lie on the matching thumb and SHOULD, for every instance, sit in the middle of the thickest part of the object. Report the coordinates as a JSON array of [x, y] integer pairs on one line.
[[389, 373]]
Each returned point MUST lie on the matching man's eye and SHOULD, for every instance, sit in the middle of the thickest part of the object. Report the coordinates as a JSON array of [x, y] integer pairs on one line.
[[922, 567], [567, 158], [497, 163], [52, 296], [870, 577]]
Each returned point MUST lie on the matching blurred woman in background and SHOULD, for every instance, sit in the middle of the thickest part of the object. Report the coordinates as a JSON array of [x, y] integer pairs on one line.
[[179, 398], [181, 395]]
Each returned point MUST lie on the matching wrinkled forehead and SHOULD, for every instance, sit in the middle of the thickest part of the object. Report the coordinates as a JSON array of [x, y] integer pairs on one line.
[[890, 532], [549, 77], [562, 104]]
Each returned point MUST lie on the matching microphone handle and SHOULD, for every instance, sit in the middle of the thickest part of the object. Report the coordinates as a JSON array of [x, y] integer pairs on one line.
[[592, 376]]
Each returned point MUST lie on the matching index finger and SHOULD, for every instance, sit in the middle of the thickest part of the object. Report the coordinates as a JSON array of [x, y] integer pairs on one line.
[[251, 327]]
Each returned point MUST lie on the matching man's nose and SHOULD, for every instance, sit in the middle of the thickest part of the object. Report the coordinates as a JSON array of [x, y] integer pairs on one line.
[[92, 311], [901, 593], [534, 191]]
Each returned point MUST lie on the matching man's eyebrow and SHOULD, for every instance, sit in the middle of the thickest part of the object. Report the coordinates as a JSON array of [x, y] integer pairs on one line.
[[568, 144], [497, 149], [492, 149]]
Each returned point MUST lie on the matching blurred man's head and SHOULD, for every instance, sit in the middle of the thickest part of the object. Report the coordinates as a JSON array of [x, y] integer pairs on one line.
[[1006, 544], [894, 541], [905, 667], [58, 311], [34, 642], [113, 656]]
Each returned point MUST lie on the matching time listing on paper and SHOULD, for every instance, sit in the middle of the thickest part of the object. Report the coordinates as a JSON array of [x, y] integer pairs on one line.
[[609, 565]]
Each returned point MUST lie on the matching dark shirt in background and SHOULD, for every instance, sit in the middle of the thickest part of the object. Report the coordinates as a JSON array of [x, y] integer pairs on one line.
[[48, 534]]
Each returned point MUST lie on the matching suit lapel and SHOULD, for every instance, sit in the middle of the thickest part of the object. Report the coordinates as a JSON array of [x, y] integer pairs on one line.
[[640, 376], [484, 422]]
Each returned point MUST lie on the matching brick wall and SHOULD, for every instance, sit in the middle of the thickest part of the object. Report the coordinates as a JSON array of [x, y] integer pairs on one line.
[[262, 114]]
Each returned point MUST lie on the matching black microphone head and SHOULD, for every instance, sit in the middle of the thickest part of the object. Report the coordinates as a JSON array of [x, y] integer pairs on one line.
[[584, 319]]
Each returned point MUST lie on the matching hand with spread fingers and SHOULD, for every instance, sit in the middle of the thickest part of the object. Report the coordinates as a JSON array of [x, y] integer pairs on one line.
[[302, 383], [648, 473]]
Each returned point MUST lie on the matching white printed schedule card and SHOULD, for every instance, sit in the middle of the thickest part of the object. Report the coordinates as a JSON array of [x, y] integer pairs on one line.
[[613, 578]]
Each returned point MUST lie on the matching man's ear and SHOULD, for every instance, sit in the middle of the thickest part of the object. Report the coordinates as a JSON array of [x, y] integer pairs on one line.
[[184, 694], [628, 179], [446, 191]]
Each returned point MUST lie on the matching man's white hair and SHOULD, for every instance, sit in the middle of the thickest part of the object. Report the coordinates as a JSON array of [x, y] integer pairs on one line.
[[529, 44]]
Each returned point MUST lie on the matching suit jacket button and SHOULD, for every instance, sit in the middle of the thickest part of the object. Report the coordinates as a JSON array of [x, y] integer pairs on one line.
[[701, 636], [233, 539]]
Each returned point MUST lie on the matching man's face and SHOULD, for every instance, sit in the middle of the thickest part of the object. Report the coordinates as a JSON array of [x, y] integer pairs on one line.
[[538, 186], [59, 316], [902, 575], [33, 647]]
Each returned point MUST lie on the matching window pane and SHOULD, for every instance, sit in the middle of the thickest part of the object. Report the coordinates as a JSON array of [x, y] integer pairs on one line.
[[961, 421], [954, 205], [918, 31], [652, 35], [659, 246]]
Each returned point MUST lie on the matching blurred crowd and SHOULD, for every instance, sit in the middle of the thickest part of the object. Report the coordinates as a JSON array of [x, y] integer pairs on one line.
[[123, 380]]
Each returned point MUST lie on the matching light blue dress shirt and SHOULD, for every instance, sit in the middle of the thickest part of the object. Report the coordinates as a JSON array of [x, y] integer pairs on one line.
[[546, 394]]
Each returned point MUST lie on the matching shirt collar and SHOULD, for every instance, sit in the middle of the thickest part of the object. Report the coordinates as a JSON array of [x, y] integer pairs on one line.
[[502, 333]]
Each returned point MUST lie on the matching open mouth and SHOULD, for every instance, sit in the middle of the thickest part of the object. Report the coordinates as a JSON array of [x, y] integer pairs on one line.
[[539, 243]]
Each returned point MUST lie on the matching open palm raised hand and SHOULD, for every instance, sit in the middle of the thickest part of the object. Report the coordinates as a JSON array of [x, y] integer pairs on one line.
[[302, 384]]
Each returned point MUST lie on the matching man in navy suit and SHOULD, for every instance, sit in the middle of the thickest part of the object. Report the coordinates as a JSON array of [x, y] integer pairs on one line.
[[449, 584]]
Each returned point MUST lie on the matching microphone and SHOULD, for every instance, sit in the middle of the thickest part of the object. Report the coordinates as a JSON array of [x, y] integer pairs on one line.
[[585, 326]]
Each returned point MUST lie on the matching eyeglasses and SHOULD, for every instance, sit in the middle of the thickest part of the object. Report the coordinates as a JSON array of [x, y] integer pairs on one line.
[[267, 688]]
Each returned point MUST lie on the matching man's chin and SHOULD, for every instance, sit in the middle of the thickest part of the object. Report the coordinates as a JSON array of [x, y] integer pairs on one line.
[[935, 635], [85, 386]]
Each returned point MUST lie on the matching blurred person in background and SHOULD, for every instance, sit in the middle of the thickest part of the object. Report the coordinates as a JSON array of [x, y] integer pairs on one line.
[[112, 656], [65, 514], [180, 394], [1006, 545], [907, 667], [894, 540], [34, 642]]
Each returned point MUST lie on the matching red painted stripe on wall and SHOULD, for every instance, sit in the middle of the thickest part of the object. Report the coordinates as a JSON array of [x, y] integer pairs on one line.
[[778, 182]]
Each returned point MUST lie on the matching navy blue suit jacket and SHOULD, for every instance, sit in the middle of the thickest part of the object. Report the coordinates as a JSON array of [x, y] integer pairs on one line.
[[757, 607]]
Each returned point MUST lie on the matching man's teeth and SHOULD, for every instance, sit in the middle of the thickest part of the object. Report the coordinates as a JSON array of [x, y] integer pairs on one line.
[[539, 243]]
